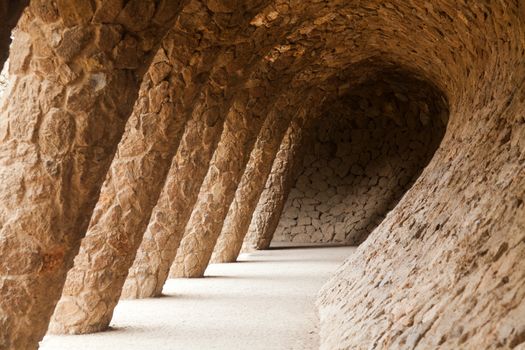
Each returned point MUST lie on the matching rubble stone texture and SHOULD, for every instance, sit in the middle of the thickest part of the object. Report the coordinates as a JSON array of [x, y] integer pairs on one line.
[[271, 202], [265, 217], [160, 242], [366, 151], [131, 189], [76, 68], [445, 269], [230, 158], [241, 128], [228, 165], [252, 182], [188, 170]]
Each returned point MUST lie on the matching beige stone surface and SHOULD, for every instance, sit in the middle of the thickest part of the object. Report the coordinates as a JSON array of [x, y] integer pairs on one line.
[[252, 182], [188, 170], [445, 269], [366, 150], [226, 168], [218, 189], [271, 202], [76, 68], [158, 248], [131, 189]]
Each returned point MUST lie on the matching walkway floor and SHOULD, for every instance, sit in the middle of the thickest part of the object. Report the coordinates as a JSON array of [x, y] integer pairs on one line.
[[266, 301]]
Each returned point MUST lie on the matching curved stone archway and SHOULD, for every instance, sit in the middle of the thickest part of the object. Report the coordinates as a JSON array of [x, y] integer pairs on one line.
[[443, 269], [434, 272], [366, 150]]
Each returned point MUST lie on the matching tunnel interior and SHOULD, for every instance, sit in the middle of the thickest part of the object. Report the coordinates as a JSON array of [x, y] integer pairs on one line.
[[147, 136], [364, 151]]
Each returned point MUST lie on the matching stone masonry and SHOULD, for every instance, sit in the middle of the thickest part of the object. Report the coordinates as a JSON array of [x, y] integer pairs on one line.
[[366, 151], [142, 135]]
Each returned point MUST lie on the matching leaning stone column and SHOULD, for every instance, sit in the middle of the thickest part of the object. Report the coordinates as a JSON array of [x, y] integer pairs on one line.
[[10, 11], [130, 192], [196, 86], [161, 240], [150, 269], [241, 128], [77, 67], [252, 183], [216, 194], [271, 202]]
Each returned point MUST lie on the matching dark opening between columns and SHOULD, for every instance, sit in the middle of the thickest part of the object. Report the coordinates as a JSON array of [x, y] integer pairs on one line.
[[365, 151]]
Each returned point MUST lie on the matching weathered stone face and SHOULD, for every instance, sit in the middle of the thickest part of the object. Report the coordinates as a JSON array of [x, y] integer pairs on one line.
[[444, 269], [76, 68], [367, 150]]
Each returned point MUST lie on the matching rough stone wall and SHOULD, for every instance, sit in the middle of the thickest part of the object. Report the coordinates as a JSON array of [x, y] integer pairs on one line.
[[76, 68], [366, 151], [252, 182], [136, 176], [445, 269]]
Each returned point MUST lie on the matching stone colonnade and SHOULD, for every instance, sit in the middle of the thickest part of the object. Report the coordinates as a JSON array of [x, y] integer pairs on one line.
[[198, 115], [357, 165], [76, 68], [252, 182], [140, 168]]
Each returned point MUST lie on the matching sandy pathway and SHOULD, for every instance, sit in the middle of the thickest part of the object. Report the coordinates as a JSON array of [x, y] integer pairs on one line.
[[264, 302]]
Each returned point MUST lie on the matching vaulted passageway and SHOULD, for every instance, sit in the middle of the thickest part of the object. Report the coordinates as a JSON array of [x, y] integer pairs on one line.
[[145, 138], [365, 150]]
